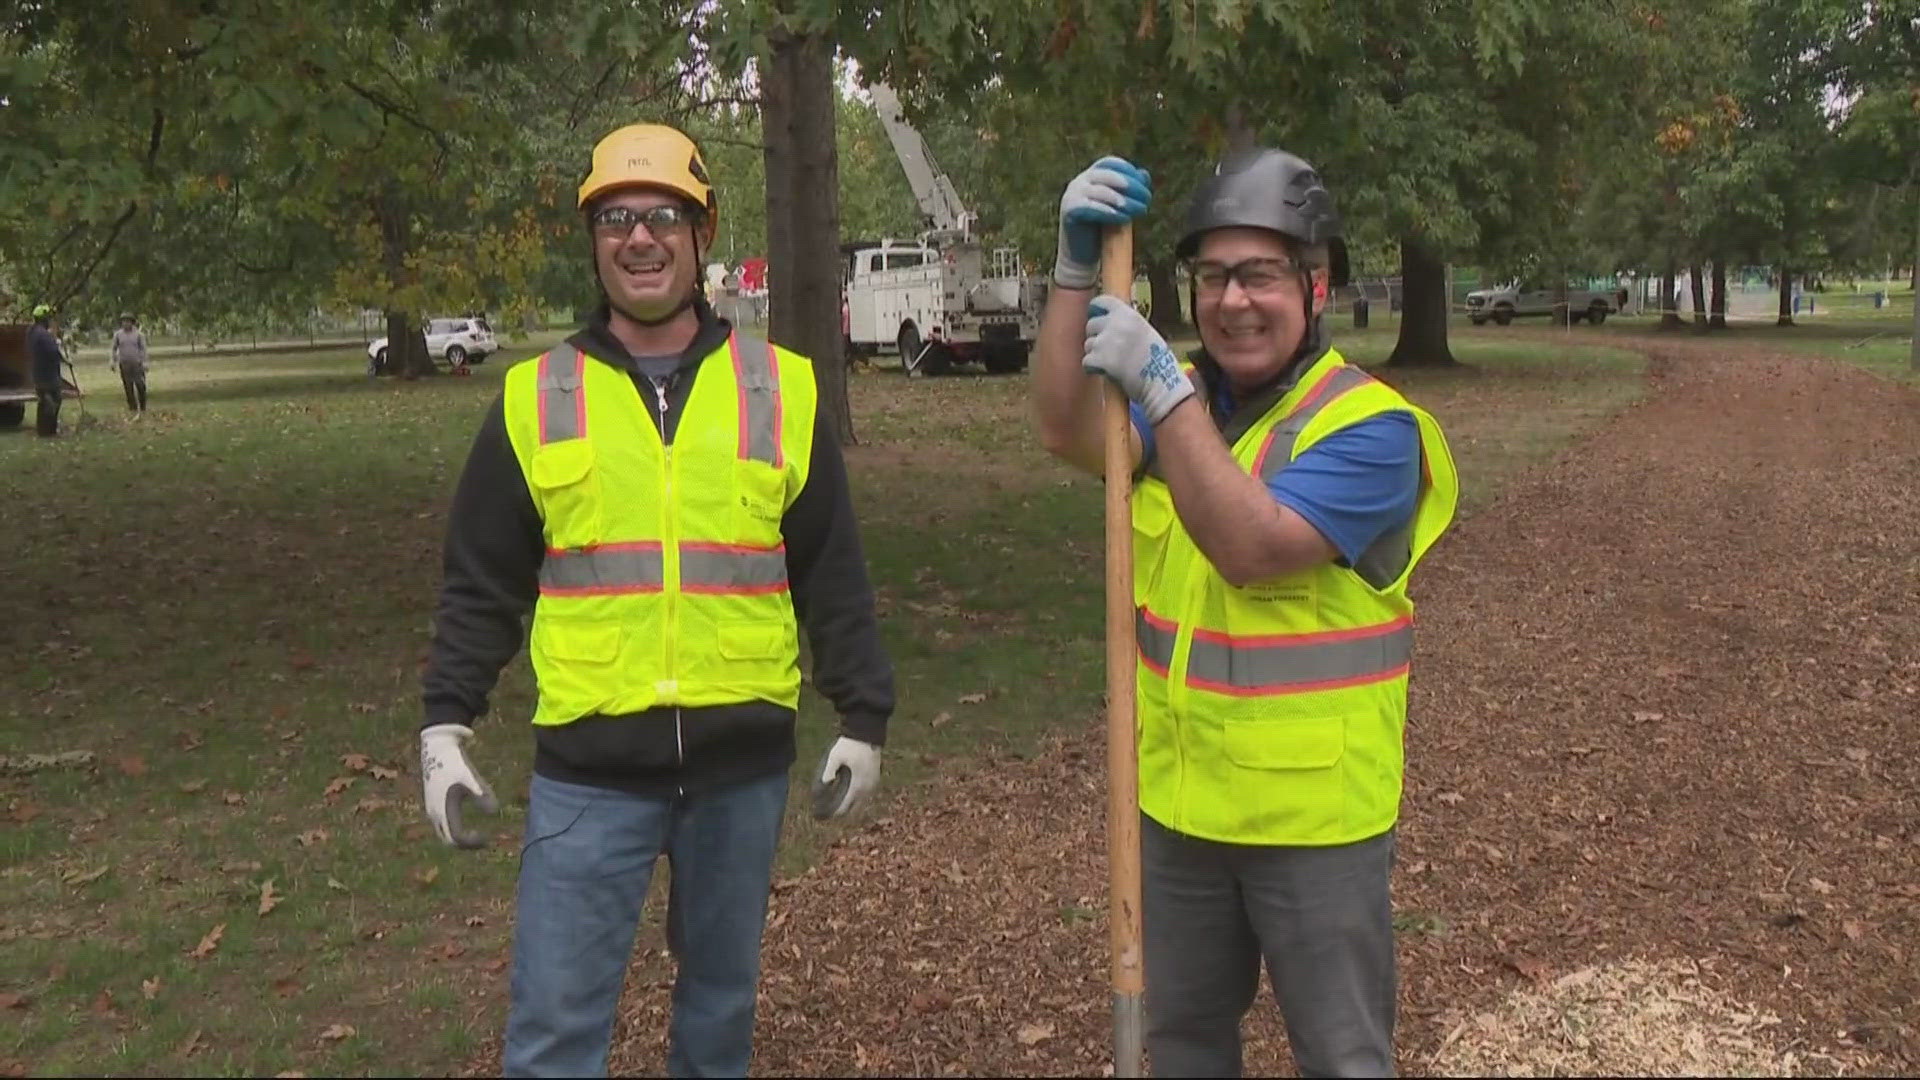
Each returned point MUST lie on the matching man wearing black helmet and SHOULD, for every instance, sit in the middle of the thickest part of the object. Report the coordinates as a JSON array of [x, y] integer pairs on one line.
[[1282, 499]]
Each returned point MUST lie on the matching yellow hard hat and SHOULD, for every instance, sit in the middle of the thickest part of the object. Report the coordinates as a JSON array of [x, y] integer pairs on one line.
[[651, 155]]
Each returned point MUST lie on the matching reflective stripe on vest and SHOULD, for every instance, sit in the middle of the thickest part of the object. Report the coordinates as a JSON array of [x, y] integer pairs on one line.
[[626, 569], [1257, 666], [1331, 386], [563, 407], [563, 400], [757, 371]]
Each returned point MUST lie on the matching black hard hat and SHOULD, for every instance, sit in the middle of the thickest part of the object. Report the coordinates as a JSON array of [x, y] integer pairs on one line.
[[1267, 189]]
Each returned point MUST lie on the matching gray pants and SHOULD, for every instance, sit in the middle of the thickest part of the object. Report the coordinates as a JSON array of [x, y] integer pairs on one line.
[[1321, 917]]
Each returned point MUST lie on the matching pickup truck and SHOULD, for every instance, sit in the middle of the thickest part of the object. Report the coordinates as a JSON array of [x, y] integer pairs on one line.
[[1506, 303]]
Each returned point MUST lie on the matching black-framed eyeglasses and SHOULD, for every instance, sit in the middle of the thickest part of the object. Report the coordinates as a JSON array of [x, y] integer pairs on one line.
[[1254, 275], [618, 221]]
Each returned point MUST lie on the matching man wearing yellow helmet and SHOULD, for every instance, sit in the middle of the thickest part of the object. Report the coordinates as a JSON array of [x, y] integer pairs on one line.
[[44, 350], [666, 498]]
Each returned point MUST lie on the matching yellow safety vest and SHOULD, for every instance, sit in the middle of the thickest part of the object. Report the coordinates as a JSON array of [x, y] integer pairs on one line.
[[665, 577], [1273, 713]]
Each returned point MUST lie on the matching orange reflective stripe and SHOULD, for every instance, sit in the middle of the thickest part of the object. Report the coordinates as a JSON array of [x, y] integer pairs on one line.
[[732, 569], [1335, 384], [756, 369], [1258, 665], [563, 397], [606, 570]]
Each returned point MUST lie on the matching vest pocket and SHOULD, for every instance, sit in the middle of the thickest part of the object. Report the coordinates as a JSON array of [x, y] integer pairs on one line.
[[1153, 517], [566, 486], [1287, 743], [752, 641], [574, 663]]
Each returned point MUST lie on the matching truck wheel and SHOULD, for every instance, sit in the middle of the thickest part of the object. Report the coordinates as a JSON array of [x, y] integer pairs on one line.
[[939, 359], [1005, 359], [12, 414], [1503, 315], [1477, 320], [456, 356], [1597, 314], [909, 342]]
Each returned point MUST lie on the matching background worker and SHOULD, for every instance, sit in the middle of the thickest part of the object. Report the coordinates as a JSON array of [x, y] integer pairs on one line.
[[43, 348], [1283, 500], [129, 357], [667, 498]]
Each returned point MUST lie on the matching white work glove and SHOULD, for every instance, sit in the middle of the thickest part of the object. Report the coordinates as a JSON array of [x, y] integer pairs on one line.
[[1112, 191], [449, 782], [1122, 346], [849, 772]]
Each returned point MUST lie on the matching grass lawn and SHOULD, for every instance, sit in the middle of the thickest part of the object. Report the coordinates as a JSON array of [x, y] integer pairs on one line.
[[226, 604]]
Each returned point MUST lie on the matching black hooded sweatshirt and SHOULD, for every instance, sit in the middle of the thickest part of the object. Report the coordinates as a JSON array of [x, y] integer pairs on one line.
[[494, 548]]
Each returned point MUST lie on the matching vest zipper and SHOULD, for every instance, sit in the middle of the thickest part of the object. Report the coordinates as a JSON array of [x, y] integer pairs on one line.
[[670, 555]]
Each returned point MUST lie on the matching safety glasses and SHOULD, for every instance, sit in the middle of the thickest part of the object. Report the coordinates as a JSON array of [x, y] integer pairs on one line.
[[1254, 275], [617, 222]]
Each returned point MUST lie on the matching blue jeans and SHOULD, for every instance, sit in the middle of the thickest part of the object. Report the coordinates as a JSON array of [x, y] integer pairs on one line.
[[584, 872]]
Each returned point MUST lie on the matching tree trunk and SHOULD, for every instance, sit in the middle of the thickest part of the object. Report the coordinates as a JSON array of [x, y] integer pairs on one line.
[[1786, 297], [1240, 133], [1696, 295], [1163, 298], [407, 354], [1913, 350], [1718, 319], [1423, 308], [1669, 303], [803, 183]]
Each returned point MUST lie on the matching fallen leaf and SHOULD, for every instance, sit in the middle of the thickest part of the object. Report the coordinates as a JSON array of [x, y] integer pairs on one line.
[[370, 804], [356, 762], [103, 1004], [382, 773], [14, 1001], [941, 719], [1527, 967], [208, 944], [335, 883], [1821, 887], [1853, 929], [428, 876], [150, 988], [189, 741], [77, 877], [301, 661], [339, 784], [23, 812], [1033, 1034], [1451, 798], [312, 837], [234, 798], [193, 787], [131, 765], [268, 898], [336, 1032], [1641, 716], [972, 699], [192, 1045], [475, 920], [286, 986], [239, 866]]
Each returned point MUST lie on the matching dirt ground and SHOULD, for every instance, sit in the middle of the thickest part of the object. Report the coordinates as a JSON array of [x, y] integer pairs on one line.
[[1664, 710]]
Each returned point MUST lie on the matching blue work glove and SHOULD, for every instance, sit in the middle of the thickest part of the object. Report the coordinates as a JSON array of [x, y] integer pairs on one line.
[[1112, 191], [1124, 348]]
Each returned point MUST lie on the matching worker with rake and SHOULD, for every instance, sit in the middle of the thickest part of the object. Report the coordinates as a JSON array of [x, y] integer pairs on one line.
[[1281, 499]]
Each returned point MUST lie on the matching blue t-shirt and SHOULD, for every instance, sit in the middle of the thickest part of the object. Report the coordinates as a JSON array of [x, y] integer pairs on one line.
[[1353, 485]]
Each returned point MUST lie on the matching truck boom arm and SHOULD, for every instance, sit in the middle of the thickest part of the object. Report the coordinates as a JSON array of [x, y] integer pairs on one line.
[[938, 199]]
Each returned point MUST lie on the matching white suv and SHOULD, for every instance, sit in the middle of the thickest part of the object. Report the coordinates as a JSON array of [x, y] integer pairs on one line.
[[452, 341]]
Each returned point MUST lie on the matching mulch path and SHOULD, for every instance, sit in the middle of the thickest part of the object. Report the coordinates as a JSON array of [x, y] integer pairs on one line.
[[1664, 709]]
